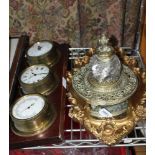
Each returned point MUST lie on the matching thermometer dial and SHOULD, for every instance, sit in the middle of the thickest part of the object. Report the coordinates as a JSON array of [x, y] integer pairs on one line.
[[43, 52], [39, 48]]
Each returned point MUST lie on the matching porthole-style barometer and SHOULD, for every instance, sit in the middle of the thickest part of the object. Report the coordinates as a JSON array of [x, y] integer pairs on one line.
[[31, 115], [43, 52], [38, 79]]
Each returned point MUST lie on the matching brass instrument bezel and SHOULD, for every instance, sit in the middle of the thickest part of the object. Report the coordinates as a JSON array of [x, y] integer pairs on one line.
[[36, 124], [50, 58], [44, 86]]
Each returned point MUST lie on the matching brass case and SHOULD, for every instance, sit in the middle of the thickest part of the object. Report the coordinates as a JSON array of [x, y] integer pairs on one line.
[[35, 125], [44, 86], [50, 58]]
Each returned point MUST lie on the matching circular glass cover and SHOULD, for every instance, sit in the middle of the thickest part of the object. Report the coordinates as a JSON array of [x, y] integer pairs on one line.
[[34, 74], [39, 48], [28, 107]]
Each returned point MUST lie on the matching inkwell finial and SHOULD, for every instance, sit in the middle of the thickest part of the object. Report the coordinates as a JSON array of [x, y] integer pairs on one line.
[[103, 47]]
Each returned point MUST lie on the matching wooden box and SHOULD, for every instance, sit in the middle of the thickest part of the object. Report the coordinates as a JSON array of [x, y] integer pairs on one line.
[[54, 134]]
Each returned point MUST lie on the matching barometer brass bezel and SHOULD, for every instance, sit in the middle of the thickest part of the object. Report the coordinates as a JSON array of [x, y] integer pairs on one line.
[[36, 124]]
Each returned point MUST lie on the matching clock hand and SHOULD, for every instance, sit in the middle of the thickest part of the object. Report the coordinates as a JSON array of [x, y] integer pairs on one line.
[[38, 74], [30, 76], [42, 73]]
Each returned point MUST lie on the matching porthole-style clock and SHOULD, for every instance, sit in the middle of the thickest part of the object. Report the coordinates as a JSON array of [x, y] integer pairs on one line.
[[43, 52], [38, 79], [31, 114]]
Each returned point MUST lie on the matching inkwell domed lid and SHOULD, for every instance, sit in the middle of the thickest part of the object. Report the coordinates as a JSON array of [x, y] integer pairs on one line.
[[104, 80]]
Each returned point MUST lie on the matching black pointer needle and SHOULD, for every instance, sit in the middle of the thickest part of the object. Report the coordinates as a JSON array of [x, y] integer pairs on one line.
[[38, 74], [29, 107]]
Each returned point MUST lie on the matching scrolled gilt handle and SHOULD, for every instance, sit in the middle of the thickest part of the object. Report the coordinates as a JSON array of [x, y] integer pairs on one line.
[[90, 52], [72, 100]]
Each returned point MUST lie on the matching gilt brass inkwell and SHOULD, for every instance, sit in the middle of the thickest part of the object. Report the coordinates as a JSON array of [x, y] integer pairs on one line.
[[108, 96]]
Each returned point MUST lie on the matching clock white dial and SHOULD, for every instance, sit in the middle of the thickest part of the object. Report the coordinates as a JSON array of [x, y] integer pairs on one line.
[[34, 74], [28, 107], [40, 48]]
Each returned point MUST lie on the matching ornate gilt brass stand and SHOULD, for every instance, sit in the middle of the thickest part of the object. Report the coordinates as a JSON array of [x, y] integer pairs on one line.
[[110, 107]]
